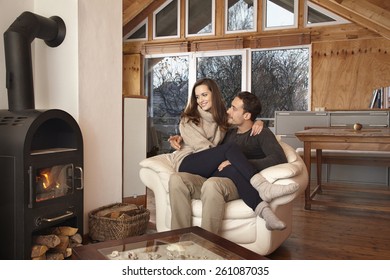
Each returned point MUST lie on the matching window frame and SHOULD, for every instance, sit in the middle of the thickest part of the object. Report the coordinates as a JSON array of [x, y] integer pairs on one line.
[[337, 19], [135, 29], [294, 25], [309, 87], [212, 33], [246, 72], [246, 82], [155, 37], [255, 17], [242, 52]]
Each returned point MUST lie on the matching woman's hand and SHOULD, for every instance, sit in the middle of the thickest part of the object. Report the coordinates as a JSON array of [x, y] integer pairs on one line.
[[223, 165], [175, 141], [257, 127]]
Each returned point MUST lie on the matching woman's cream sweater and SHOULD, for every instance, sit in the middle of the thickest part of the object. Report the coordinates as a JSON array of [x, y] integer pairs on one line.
[[197, 138]]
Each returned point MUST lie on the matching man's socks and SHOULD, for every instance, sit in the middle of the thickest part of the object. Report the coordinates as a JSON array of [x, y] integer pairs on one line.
[[269, 191], [272, 222]]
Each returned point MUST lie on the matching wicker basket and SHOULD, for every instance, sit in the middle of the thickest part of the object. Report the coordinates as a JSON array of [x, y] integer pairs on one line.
[[130, 223]]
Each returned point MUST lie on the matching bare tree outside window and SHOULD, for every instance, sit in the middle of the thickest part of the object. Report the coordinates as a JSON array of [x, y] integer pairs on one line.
[[280, 79], [225, 70], [240, 15], [167, 88]]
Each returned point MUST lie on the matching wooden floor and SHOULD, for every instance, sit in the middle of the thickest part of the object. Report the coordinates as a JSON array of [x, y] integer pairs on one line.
[[335, 234]]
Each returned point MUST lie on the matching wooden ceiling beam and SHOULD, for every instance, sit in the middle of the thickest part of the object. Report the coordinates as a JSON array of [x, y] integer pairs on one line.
[[141, 14], [363, 12], [132, 7]]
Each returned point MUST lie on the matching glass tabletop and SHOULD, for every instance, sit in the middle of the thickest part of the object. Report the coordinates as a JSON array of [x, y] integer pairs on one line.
[[185, 246]]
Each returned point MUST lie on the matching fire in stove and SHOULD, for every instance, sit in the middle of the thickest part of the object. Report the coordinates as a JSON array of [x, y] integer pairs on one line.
[[53, 182]]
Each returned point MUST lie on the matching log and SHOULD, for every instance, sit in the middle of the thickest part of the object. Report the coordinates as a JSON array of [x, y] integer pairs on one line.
[[114, 210], [54, 256], [115, 215], [64, 243], [57, 245], [77, 238], [68, 252], [43, 257], [73, 245], [50, 240], [68, 231], [38, 250]]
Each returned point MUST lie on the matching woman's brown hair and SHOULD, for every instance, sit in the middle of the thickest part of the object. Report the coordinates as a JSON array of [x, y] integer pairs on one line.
[[217, 110]]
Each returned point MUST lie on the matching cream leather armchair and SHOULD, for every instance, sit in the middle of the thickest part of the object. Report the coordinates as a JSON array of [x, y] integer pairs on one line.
[[240, 225]]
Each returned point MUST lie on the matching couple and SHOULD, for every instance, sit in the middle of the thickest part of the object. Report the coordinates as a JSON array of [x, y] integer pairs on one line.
[[219, 143]]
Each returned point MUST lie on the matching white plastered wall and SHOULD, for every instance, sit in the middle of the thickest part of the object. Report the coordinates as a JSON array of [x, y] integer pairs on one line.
[[82, 76]]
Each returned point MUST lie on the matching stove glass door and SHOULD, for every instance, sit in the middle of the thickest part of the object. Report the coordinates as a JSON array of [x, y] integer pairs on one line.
[[53, 182]]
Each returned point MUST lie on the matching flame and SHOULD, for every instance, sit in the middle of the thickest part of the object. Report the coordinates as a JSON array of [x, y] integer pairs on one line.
[[51, 182], [45, 179]]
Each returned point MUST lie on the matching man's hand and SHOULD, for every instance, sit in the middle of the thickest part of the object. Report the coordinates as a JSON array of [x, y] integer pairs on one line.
[[257, 127], [223, 165], [175, 141]]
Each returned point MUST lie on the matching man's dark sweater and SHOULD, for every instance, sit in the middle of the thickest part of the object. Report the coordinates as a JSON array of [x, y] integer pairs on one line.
[[262, 150]]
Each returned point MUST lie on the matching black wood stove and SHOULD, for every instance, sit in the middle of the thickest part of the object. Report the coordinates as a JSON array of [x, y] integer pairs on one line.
[[41, 151]]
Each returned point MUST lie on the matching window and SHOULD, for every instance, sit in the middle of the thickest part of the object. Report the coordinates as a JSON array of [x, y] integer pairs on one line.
[[200, 17], [280, 14], [166, 84], [280, 78], [315, 16], [140, 32], [240, 16], [166, 22], [226, 68]]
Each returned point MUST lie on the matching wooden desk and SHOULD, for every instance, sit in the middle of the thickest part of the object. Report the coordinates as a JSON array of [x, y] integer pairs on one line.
[[339, 139]]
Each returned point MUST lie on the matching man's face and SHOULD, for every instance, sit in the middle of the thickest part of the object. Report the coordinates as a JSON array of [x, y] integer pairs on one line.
[[236, 113]]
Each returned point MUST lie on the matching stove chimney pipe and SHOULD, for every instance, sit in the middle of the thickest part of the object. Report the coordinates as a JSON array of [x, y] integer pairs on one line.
[[18, 62]]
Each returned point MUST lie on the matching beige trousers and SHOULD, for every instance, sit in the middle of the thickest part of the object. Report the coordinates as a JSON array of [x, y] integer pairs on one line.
[[213, 192]]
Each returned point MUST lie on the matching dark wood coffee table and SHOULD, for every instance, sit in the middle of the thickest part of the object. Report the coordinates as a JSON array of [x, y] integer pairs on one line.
[[191, 243]]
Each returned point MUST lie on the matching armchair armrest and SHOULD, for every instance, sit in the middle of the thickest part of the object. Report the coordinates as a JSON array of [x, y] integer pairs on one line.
[[162, 165], [281, 171], [159, 163]]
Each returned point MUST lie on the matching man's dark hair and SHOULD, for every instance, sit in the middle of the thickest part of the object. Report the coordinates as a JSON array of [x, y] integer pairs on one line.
[[251, 103]]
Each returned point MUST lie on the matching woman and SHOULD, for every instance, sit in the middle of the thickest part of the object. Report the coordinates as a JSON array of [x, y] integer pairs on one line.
[[203, 126]]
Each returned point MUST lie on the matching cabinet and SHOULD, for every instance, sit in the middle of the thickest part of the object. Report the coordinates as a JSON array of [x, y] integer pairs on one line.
[[289, 122]]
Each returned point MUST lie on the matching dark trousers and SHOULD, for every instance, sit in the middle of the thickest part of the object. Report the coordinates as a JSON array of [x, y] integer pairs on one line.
[[205, 164]]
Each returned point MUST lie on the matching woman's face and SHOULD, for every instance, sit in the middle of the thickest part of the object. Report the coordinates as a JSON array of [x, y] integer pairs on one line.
[[203, 97]]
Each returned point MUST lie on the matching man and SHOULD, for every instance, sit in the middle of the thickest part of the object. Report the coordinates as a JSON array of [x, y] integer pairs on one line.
[[262, 150]]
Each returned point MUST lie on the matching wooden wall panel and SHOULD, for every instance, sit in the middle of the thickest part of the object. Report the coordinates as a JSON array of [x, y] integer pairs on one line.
[[132, 74], [344, 73]]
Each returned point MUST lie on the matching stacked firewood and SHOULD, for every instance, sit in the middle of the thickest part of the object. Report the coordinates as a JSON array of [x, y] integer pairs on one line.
[[56, 245]]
